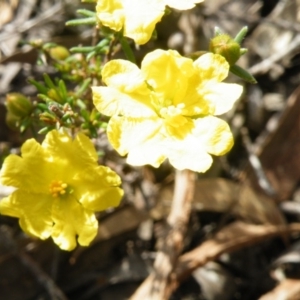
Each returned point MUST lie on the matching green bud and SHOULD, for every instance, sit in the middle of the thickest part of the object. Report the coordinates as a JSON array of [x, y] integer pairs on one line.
[[18, 105], [54, 95], [48, 118], [224, 45], [59, 53], [12, 121]]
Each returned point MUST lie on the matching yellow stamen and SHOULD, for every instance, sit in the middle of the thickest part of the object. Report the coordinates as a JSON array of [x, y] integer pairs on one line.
[[171, 111], [57, 188]]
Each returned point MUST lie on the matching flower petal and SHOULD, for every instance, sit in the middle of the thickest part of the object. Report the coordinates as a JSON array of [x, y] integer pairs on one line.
[[102, 195], [194, 102], [141, 18], [210, 135], [28, 172], [33, 210], [212, 67], [111, 13], [189, 154], [182, 5], [221, 96], [61, 149], [72, 219], [140, 138], [167, 72], [127, 93], [215, 135]]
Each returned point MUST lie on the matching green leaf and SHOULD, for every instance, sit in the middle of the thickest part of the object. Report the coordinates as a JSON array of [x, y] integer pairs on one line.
[[242, 73], [127, 49], [45, 98], [86, 12], [91, 55], [84, 86], [49, 81], [62, 89], [41, 88], [83, 21], [45, 130], [241, 35], [87, 49]]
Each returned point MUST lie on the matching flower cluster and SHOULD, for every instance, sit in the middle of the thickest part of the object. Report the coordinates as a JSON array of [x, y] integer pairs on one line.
[[168, 109], [59, 185], [137, 18]]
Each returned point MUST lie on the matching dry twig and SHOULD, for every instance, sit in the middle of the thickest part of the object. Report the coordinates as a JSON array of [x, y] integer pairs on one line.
[[158, 284]]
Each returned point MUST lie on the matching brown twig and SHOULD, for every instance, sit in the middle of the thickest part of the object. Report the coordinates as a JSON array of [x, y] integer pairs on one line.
[[231, 238], [265, 65], [53, 291], [159, 285]]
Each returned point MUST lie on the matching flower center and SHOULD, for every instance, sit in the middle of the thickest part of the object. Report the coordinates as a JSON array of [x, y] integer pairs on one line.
[[177, 125], [171, 111], [57, 188]]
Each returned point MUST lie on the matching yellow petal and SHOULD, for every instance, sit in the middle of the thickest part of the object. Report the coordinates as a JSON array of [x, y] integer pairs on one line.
[[109, 101], [194, 102], [127, 93], [67, 157], [221, 96], [140, 138], [141, 16], [28, 172], [179, 126], [215, 135], [60, 144], [189, 154], [182, 4], [71, 220], [33, 210], [210, 135], [167, 72], [111, 14], [102, 195], [212, 67], [124, 76]]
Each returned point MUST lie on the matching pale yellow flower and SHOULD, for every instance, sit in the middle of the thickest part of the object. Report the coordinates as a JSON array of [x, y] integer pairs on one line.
[[168, 108], [59, 186], [137, 18]]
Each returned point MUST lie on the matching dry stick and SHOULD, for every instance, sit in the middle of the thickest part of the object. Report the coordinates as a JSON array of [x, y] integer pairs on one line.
[[231, 238], [157, 285], [265, 65], [53, 291]]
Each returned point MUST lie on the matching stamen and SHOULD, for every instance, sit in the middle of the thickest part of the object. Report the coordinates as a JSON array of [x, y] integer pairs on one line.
[[57, 188], [171, 111]]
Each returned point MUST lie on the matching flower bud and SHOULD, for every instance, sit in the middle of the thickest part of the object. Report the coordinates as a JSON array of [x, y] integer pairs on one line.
[[48, 118], [54, 95], [224, 45], [59, 53], [12, 121], [18, 105]]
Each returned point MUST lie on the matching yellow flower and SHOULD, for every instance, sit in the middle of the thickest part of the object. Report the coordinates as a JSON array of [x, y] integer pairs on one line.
[[137, 18], [59, 186], [167, 109]]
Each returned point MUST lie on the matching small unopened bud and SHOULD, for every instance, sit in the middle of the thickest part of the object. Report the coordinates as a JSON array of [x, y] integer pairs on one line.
[[48, 118], [59, 53], [18, 105], [224, 45], [12, 121], [54, 95]]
